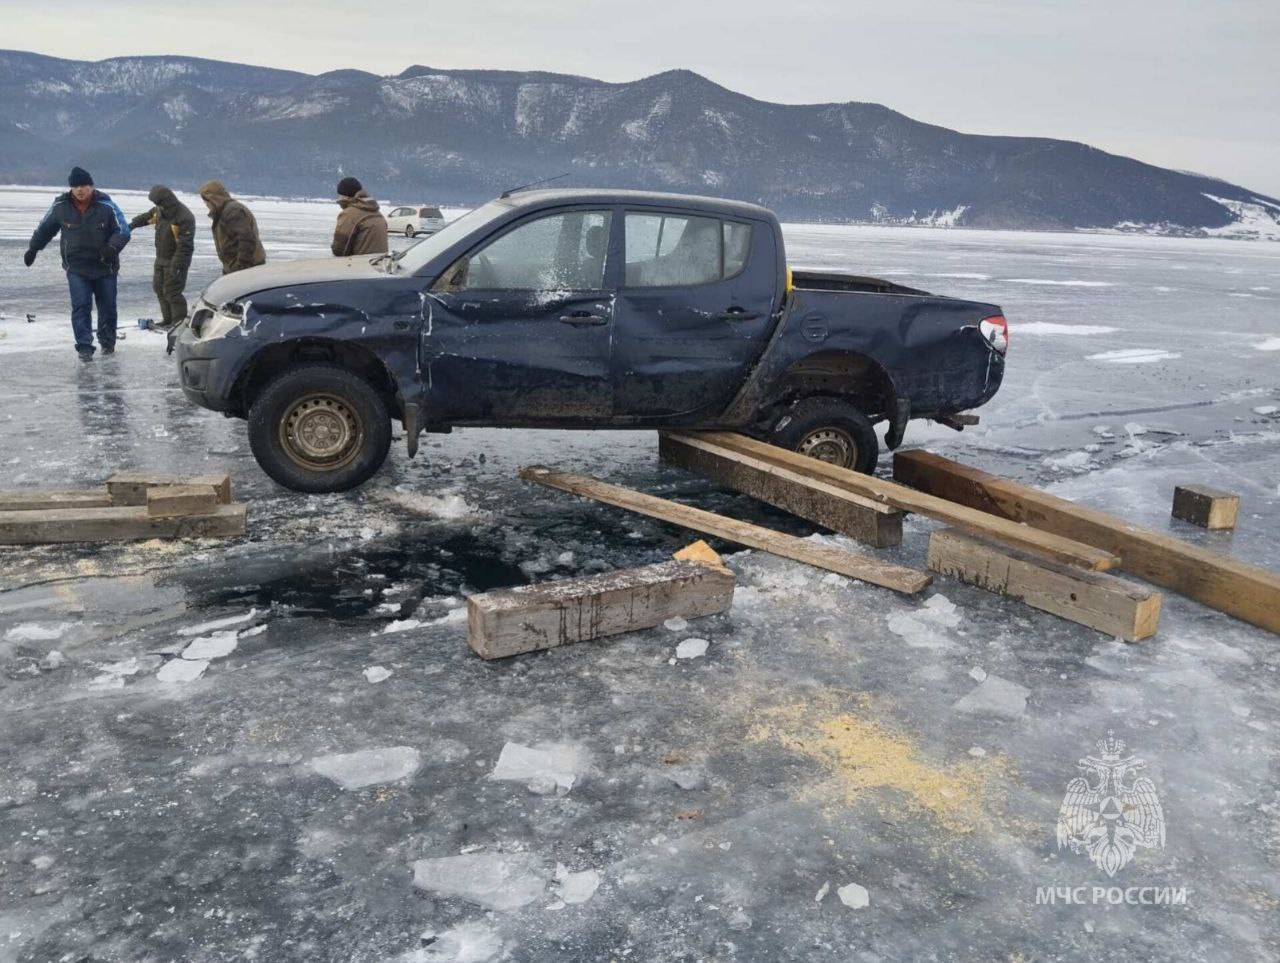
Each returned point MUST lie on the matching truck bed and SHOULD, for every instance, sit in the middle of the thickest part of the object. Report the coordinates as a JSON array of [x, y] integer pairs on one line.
[[853, 283]]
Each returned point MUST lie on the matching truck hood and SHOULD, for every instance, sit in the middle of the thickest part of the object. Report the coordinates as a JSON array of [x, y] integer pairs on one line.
[[231, 287]]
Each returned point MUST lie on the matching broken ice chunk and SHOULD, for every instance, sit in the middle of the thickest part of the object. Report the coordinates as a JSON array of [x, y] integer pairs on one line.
[[995, 696], [692, 649], [854, 896], [182, 670], [499, 881], [370, 767], [978, 673], [543, 768], [216, 624], [376, 674], [676, 624], [215, 646], [579, 887]]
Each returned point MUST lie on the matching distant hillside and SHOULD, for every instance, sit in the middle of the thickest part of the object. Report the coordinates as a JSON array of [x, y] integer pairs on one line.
[[462, 136]]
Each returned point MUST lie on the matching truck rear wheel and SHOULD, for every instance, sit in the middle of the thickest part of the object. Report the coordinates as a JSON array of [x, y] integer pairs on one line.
[[319, 428], [830, 430]]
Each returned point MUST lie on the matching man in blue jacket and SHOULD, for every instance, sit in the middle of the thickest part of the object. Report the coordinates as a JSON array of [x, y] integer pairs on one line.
[[93, 231]]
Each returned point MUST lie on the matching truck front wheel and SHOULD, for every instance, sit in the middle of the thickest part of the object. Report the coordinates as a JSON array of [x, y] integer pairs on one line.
[[830, 430], [319, 428]]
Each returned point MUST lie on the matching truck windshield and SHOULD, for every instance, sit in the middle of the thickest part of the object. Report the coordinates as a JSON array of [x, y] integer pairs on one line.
[[414, 257]]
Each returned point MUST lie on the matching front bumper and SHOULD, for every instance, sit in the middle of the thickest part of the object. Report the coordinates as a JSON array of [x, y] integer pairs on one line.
[[207, 370]]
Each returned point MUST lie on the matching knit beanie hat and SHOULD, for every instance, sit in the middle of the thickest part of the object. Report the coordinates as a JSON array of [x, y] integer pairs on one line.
[[79, 178], [349, 187]]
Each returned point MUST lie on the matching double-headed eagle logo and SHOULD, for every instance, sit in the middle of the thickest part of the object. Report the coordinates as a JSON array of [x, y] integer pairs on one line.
[[1109, 811]]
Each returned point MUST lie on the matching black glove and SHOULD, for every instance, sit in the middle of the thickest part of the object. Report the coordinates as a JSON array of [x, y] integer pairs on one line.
[[29, 258], [110, 255]]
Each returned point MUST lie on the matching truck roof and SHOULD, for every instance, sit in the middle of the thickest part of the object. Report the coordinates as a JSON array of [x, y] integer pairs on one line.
[[585, 195]]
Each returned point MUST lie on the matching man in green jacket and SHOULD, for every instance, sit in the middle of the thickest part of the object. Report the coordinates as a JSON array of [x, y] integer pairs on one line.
[[235, 232], [361, 227], [175, 241]]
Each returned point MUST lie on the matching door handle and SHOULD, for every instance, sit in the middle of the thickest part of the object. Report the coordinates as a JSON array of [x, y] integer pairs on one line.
[[736, 313], [583, 318]]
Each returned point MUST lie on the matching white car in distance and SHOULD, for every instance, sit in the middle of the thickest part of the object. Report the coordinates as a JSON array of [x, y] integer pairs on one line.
[[412, 221]]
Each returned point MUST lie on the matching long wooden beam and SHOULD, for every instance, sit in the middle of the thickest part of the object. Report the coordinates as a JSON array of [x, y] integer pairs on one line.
[[1216, 580], [870, 522], [861, 567], [119, 524], [26, 500], [1057, 547]]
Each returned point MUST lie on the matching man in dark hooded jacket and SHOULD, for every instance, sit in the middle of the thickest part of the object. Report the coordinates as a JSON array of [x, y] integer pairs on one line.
[[94, 232], [175, 241], [235, 232], [361, 227]]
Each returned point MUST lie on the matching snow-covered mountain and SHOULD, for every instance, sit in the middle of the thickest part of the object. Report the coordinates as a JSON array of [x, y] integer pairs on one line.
[[461, 136]]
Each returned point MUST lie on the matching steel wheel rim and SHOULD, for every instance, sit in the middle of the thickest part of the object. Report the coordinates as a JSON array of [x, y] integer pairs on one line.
[[321, 432], [835, 446]]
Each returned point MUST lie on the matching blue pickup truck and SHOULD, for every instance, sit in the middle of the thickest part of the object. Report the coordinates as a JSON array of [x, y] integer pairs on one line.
[[579, 309]]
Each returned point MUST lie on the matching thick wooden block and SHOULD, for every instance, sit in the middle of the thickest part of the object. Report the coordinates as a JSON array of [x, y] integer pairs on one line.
[[169, 500], [117, 524], [533, 617], [1206, 507], [1096, 599], [33, 499], [130, 487], [851, 564], [1246, 591], [906, 499], [810, 498]]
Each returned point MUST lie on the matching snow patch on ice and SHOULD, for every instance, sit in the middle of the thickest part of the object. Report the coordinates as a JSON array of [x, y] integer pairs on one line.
[[1065, 284], [1053, 327], [369, 767], [474, 941], [1135, 356], [38, 631], [1073, 461]]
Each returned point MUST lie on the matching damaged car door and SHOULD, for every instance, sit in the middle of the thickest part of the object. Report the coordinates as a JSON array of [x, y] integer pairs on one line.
[[518, 330], [695, 309]]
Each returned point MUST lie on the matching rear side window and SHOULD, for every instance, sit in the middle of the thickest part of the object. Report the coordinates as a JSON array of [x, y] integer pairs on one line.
[[666, 250]]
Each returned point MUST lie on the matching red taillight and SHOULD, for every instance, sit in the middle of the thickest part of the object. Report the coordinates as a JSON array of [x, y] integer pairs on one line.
[[996, 330]]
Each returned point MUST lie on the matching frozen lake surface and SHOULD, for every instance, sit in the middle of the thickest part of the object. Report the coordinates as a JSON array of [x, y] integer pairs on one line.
[[280, 748]]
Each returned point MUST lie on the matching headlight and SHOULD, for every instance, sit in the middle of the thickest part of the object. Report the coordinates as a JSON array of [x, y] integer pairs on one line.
[[208, 323]]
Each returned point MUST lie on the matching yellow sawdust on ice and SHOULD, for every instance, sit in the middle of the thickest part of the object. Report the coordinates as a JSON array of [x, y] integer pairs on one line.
[[863, 755]]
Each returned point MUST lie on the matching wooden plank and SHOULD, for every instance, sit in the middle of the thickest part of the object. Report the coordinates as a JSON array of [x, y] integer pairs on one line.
[[702, 553], [1096, 599], [861, 567], [1246, 591], [1056, 547], [1207, 507], [118, 524], [534, 617], [164, 501], [130, 487], [841, 511], [33, 499]]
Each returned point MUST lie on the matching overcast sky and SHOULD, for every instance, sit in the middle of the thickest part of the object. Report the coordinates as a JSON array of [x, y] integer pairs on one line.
[[1188, 84]]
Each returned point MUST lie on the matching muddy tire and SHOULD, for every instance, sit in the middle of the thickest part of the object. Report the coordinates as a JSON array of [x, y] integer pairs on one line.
[[319, 428], [830, 430]]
